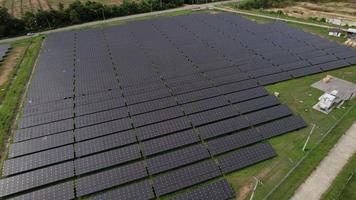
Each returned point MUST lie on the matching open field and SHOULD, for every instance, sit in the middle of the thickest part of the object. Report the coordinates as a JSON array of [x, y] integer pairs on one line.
[[288, 146], [349, 191]]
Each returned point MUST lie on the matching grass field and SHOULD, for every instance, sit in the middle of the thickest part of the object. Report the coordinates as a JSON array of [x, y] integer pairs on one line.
[[349, 192]]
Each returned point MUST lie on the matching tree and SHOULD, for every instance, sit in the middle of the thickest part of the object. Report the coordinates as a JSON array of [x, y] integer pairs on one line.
[[10, 26]]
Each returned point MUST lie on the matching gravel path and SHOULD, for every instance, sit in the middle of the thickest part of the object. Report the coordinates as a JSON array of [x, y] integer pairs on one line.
[[320, 180]]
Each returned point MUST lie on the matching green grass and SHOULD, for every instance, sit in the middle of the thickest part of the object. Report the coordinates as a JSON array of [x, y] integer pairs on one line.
[[349, 192], [11, 100], [342, 188]]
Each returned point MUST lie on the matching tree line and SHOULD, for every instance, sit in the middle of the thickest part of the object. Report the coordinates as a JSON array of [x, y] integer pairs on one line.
[[257, 4], [77, 13]]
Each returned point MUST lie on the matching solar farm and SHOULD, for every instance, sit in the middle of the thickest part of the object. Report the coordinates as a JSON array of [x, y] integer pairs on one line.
[[154, 107]]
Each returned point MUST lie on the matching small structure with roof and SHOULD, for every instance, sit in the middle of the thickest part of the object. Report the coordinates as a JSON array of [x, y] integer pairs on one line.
[[335, 32], [351, 32]]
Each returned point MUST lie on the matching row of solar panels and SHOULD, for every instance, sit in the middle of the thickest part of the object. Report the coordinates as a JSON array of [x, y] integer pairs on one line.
[[193, 24], [158, 139], [4, 49], [163, 184], [141, 105]]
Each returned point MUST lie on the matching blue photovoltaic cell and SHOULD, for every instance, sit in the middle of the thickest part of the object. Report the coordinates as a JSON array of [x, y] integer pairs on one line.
[[220, 190]]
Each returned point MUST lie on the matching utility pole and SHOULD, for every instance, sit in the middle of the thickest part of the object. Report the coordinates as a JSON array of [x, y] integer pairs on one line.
[[102, 11], [306, 142]]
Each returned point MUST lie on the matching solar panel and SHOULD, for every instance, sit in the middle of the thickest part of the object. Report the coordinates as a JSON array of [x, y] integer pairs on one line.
[[149, 106], [4, 48], [197, 95], [219, 190], [40, 144], [305, 71], [246, 94], [268, 114], [140, 190], [209, 116], [234, 87], [176, 159], [184, 177], [110, 178], [223, 127], [104, 143], [157, 116], [275, 78], [281, 126], [102, 129], [169, 142], [45, 118], [30, 110], [100, 117], [43, 130], [37, 178], [257, 104], [62, 191], [162, 128], [106, 159], [204, 105], [245, 157], [37, 160], [234, 141]]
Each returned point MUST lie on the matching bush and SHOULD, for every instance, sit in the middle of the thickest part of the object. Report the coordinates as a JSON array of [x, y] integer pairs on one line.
[[257, 4], [10, 26]]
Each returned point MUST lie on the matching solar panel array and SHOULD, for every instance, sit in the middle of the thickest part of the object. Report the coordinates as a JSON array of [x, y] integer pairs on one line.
[[153, 107], [4, 48]]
